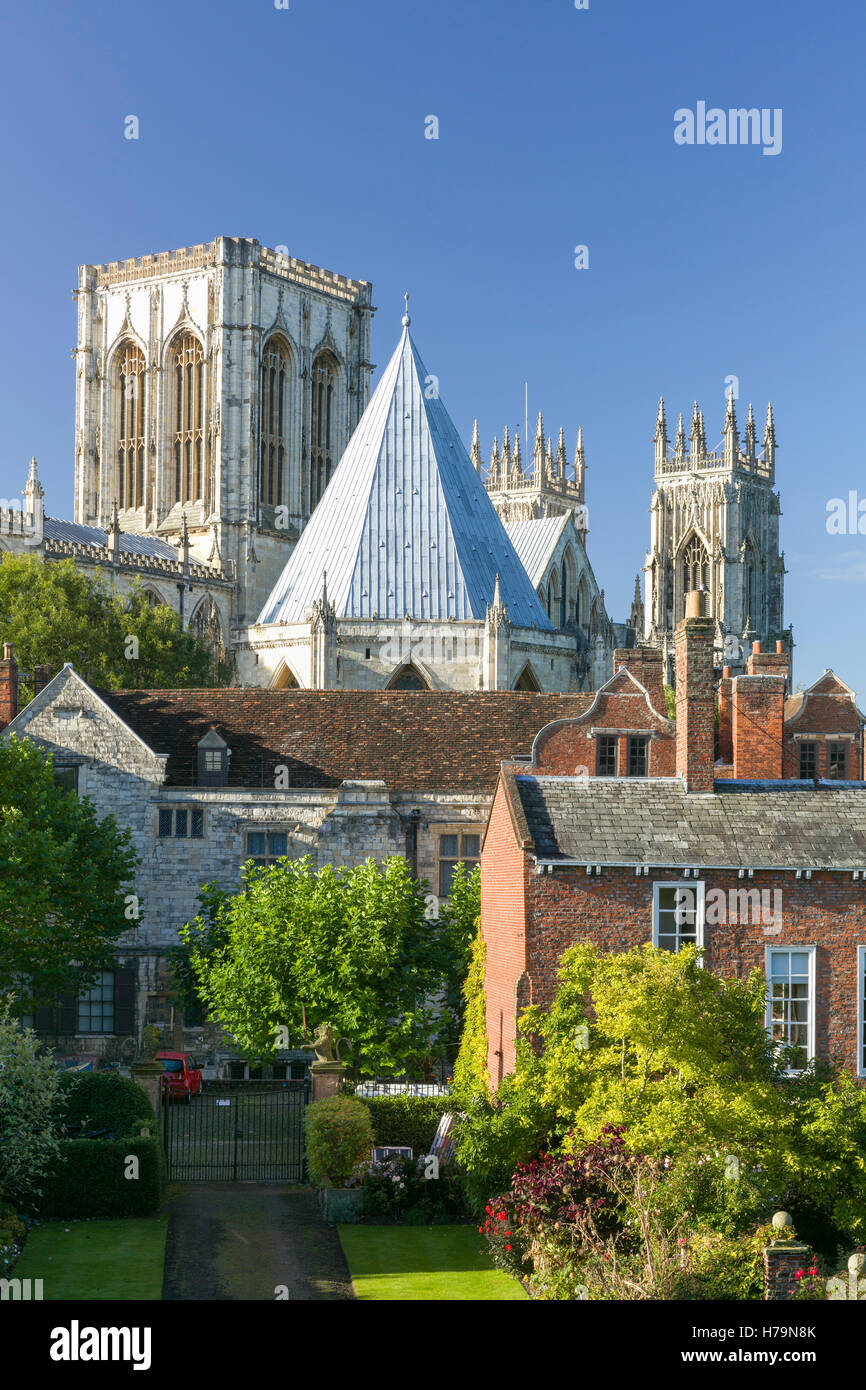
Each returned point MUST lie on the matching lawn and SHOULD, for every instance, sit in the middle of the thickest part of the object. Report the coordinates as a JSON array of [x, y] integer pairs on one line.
[[97, 1259], [424, 1264]]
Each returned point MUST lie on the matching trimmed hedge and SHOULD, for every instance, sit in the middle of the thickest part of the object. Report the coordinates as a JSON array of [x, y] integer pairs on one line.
[[411, 1120], [94, 1103], [88, 1180]]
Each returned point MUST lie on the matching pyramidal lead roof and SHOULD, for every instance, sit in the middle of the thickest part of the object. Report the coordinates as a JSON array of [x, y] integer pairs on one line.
[[405, 525]]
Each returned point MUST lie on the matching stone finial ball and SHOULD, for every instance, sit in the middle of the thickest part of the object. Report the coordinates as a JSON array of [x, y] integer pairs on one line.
[[782, 1219]]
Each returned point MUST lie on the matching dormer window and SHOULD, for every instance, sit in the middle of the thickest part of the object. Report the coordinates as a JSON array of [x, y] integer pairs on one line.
[[213, 760]]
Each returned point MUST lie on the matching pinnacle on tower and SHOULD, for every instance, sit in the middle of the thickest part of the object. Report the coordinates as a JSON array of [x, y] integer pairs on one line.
[[661, 437], [475, 454], [680, 442], [516, 461], [770, 440], [751, 439], [580, 466], [505, 457], [731, 433], [561, 461], [538, 453], [695, 435], [493, 471]]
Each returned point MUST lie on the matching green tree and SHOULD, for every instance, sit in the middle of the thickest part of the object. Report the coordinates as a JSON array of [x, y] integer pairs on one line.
[[459, 918], [470, 1070], [53, 613], [347, 948], [62, 875], [653, 1041], [28, 1098]]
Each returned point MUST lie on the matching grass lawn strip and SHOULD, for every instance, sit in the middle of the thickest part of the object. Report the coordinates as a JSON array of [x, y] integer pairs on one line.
[[424, 1264], [97, 1259]]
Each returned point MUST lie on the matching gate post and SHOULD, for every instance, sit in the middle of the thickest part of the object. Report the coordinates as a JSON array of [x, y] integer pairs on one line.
[[149, 1077], [327, 1079]]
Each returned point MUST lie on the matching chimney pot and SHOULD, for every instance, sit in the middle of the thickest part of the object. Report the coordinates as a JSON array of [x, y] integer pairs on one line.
[[756, 647], [726, 673], [780, 650], [8, 651]]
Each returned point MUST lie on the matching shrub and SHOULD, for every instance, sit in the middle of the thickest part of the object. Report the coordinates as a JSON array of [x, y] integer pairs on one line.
[[102, 1103], [396, 1190], [470, 1069], [411, 1120], [28, 1095], [724, 1267], [12, 1234], [339, 1137], [89, 1179]]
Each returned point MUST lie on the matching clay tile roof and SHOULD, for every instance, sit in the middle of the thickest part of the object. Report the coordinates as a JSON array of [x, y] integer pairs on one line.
[[412, 740]]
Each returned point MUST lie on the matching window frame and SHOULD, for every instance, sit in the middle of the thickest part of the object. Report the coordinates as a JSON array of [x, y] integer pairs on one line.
[[462, 833], [700, 887], [811, 953], [607, 739], [839, 747], [195, 816], [812, 747], [631, 741], [84, 999], [269, 858]]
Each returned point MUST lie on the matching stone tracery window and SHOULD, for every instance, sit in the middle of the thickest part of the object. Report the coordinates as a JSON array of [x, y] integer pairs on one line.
[[323, 425], [696, 568], [274, 431], [188, 437], [130, 426], [207, 626]]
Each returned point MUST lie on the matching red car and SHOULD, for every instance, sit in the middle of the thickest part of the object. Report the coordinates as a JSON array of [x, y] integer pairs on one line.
[[181, 1076]]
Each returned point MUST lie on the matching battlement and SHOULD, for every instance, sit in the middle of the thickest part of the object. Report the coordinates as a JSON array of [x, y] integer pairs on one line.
[[223, 251]]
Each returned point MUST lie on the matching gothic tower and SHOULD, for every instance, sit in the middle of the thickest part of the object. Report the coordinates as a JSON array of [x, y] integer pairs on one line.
[[546, 487], [216, 388], [715, 526]]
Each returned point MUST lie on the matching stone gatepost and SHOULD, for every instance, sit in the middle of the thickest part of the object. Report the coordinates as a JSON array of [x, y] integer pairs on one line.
[[149, 1077], [327, 1079], [782, 1259]]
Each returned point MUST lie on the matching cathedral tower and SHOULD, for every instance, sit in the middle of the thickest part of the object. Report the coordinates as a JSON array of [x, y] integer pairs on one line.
[[715, 526], [217, 387]]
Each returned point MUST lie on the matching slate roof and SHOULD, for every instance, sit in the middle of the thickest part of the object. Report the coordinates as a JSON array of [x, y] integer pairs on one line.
[[405, 525], [535, 542], [654, 821], [130, 544], [413, 740]]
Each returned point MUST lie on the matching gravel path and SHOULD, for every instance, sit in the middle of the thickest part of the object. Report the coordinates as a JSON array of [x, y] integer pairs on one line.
[[240, 1241]]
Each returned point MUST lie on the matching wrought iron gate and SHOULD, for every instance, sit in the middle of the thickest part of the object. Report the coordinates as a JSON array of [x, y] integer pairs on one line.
[[237, 1131]]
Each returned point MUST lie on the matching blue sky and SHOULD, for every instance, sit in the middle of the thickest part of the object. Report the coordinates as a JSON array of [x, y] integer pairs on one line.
[[305, 127]]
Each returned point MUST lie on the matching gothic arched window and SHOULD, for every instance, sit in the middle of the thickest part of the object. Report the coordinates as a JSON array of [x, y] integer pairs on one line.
[[207, 626], [188, 433], [696, 569], [275, 422], [323, 429], [130, 426], [407, 677]]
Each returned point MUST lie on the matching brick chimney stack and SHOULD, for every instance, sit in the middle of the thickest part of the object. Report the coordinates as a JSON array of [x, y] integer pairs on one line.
[[695, 695], [758, 701], [41, 677], [8, 686], [646, 664]]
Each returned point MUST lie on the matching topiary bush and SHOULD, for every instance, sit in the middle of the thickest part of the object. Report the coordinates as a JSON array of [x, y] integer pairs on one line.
[[101, 1104], [89, 1179], [339, 1137]]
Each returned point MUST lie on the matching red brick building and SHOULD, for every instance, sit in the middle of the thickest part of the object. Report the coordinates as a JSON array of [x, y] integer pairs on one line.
[[690, 835]]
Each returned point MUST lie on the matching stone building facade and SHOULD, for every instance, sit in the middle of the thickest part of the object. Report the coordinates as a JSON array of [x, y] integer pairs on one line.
[[206, 780]]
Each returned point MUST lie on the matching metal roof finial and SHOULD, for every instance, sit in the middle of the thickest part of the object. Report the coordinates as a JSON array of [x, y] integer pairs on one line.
[[406, 318]]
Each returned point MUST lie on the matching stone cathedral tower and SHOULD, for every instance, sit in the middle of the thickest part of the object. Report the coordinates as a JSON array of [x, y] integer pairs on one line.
[[216, 389], [715, 526]]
